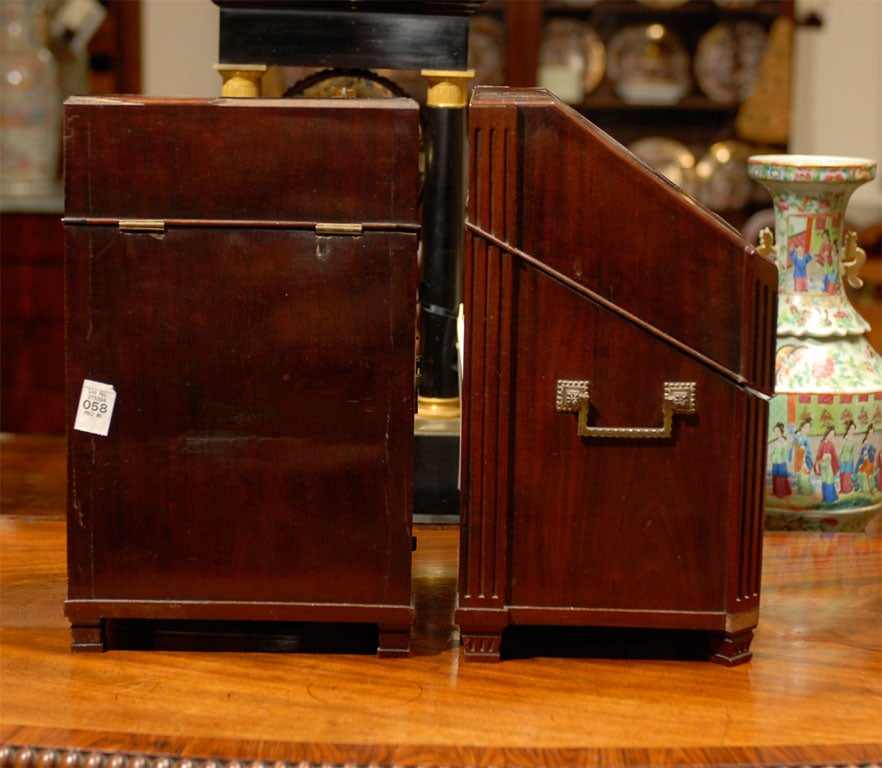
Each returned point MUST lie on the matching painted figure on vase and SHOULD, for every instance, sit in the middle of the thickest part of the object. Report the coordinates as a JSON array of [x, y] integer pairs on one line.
[[778, 452], [828, 263], [866, 471], [847, 453], [879, 470], [801, 456], [813, 463], [827, 466], [800, 261]]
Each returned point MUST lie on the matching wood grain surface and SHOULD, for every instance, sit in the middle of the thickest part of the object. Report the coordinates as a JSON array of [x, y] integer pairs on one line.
[[811, 695]]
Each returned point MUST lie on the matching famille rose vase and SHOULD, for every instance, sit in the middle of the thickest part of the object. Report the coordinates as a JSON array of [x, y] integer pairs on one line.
[[824, 467], [30, 101]]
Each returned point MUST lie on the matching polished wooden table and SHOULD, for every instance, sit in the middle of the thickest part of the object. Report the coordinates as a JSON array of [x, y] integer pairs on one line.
[[811, 695]]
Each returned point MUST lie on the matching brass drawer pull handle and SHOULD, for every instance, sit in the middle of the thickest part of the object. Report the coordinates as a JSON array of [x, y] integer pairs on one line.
[[574, 396]]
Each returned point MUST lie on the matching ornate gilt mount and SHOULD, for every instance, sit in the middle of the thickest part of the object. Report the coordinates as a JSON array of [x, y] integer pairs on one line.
[[448, 88], [766, 245], [241, 80], [574, 396]]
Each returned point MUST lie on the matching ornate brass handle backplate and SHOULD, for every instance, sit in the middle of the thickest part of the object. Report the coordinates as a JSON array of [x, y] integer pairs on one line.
[[574, 396]]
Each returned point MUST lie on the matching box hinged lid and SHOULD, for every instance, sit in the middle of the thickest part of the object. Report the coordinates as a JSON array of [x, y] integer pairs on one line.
[[586, 212], [289, 163]]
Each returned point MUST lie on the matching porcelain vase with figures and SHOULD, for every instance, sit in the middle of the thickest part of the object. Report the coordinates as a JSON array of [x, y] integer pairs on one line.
[[30, 101], [824, 466]]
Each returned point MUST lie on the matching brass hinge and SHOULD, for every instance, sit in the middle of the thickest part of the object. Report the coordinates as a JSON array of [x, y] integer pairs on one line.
[[353, 230], [141, 225]]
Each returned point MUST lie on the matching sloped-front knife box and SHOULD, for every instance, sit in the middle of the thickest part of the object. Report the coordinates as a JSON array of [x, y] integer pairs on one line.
[[240, 305], [619, 347]]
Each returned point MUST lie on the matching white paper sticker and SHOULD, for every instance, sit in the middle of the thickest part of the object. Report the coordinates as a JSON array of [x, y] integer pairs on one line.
[[95, 407]]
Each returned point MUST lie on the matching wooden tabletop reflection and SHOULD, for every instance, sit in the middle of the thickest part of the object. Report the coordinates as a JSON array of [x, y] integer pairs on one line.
[[811, 694]]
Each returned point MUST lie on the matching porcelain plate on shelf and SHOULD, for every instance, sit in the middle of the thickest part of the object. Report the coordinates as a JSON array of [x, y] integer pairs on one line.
[[648, 65], [662, 4], [722, 180], [670, 158], [487, 49], [728, 58], [595, 59], [562, 59]]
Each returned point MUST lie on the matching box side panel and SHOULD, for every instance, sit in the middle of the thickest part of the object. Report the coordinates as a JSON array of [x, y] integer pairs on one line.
[[261, 443], [618, 523]]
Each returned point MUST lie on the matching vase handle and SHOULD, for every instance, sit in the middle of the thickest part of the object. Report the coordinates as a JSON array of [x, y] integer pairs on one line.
[[766, 245], [574, 395], [853, 258]]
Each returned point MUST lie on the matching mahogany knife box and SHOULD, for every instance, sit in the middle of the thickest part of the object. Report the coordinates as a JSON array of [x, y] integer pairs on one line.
[[242, 274], [602, 304]]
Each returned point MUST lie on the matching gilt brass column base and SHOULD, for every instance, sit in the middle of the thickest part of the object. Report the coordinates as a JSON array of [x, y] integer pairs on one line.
[[438, 407], [241, 80]]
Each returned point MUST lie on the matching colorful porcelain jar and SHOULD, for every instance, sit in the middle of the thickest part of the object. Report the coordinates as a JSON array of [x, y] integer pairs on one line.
[[30, 101], [824, 469]]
